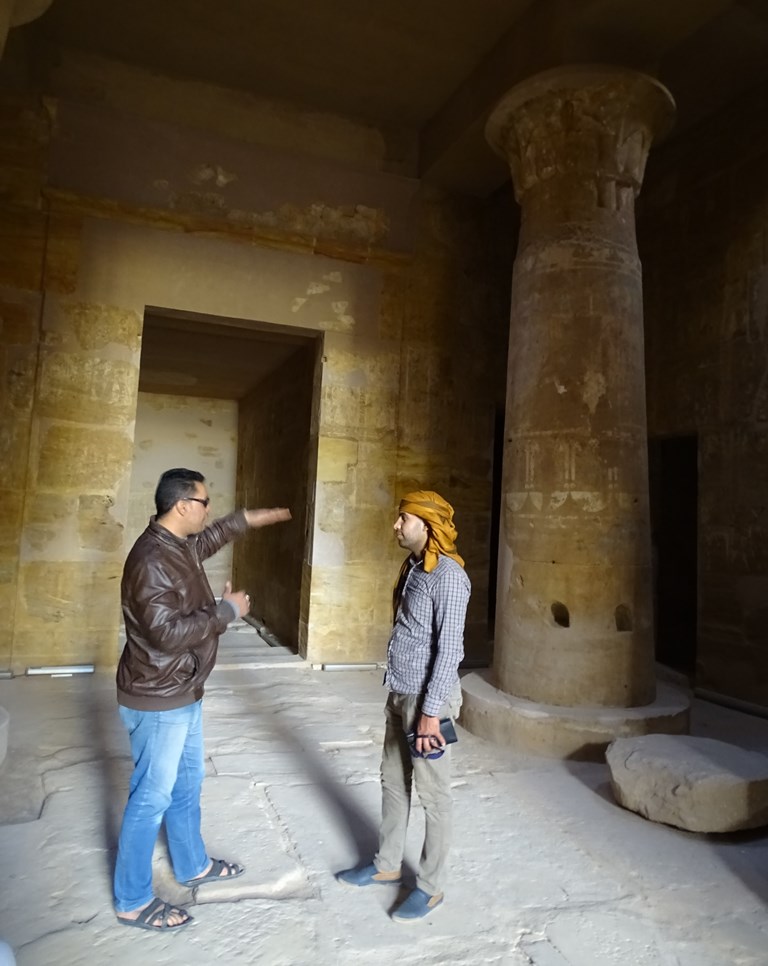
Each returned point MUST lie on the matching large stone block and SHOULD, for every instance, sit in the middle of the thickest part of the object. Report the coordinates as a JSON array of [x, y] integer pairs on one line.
[[19, 318], [48, 518], [11, 509], [83, 458], [61, 645], [358, 413], [62, 257], [72, 593], [96, 326], [24, 132], [335, 456], [14, 447], [67, 612], [88, 389], [21, 186], [337, 633], [692, 783], [97, 528], [7, 607], [22, 243], [20, 366]]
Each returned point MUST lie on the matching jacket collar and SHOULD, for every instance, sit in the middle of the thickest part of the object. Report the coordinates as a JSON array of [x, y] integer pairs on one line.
[[160, 531]]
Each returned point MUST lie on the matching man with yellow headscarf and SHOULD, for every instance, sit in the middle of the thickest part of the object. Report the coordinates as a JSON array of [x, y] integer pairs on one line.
[[425, 648]]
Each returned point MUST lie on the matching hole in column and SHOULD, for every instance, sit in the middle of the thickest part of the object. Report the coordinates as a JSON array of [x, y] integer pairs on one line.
[[560, 614], [623, 618]]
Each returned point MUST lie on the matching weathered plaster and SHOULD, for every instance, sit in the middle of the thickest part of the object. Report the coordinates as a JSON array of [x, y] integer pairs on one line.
[[228, 113], [412, 369], [703, 234]]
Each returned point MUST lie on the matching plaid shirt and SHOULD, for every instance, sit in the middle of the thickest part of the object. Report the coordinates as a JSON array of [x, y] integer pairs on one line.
[[427, 642]]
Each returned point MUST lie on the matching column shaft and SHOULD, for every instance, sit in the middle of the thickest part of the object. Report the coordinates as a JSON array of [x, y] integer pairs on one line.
[[575, 625]]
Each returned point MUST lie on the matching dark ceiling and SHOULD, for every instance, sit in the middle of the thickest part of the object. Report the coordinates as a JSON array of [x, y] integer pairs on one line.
[[435, 67], [430, 68]]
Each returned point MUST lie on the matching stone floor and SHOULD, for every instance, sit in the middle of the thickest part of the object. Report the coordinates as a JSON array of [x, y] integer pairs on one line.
[[546, 870]]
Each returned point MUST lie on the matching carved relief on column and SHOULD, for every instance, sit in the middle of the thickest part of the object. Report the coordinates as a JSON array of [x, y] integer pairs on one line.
[[592, 125], [575, 623]]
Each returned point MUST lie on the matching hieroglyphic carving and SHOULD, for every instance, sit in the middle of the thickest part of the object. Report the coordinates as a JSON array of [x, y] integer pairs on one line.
[[592, 125]]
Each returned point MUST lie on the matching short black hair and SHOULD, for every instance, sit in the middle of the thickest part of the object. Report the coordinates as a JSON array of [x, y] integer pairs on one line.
[[175, 485]]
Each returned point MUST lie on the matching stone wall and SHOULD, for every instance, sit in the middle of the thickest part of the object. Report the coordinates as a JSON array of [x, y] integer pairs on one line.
[[142, 209], [24, 133], [703, 235], [277, 455]]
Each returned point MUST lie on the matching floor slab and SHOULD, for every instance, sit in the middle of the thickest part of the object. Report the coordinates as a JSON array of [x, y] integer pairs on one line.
[[546, 868]]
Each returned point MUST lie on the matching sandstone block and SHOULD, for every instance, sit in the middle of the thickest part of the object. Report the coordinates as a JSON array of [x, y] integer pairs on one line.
[[14, 446], [103, 456], [334, 459], [11, 510], [22, 241], [85, 389], [697, 784], [63, 253], [19, 318], [97, 326]]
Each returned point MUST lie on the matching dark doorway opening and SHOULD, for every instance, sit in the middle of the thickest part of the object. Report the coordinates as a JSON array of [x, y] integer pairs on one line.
[[674, 500], [272, 373]]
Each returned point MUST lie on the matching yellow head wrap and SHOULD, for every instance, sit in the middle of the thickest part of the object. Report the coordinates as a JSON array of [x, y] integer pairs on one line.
[[438, 514]]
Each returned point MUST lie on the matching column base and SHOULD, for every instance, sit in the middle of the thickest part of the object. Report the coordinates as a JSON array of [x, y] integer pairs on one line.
[[580, 733]]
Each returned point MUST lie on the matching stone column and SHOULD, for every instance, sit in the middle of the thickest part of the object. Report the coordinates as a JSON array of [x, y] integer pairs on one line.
[[575, 624]]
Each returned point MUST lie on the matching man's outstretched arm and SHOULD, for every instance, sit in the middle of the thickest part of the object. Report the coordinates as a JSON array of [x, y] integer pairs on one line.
[[234, 525], [265, 518]]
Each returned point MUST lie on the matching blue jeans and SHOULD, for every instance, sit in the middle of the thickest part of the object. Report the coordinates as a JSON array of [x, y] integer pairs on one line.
[[167, 750]]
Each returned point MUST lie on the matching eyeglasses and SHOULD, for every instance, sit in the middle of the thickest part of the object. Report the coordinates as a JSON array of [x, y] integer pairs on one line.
[[197, 499]]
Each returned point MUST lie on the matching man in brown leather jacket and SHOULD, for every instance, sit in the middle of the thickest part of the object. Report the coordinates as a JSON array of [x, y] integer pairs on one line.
[[172, 625]]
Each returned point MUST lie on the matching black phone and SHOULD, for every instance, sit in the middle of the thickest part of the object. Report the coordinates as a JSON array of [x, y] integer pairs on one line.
[[447, 730]]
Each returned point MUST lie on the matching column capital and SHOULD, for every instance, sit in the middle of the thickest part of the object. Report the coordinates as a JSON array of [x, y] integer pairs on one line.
[[587, 124], [15, 13], [25, 11]]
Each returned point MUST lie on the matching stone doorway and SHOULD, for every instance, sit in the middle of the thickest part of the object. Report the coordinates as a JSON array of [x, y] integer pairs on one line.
[[674, 483], [235, 399]]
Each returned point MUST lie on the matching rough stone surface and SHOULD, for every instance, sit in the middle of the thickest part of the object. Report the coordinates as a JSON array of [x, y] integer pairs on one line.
[[706, 308], [699, 784], [575, 622], [545, 868], [577, 733], [398, 278]]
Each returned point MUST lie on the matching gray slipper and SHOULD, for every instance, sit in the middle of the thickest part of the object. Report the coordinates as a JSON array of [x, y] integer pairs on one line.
[[157, 909], [234, 871]]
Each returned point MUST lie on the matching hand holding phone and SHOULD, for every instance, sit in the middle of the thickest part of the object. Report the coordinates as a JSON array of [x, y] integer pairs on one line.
[[448, 732]]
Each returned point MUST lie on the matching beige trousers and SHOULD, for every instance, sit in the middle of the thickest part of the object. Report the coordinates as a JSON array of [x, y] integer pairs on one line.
[[432, 777]]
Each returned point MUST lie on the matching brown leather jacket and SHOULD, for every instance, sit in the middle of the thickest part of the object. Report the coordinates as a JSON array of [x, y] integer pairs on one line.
[[172, 620]]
